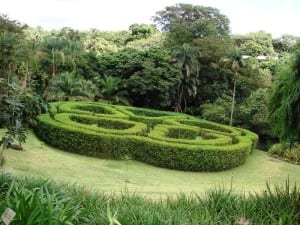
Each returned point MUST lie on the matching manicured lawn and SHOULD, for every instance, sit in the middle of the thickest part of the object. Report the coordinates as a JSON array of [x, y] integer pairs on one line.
[[39, 159]]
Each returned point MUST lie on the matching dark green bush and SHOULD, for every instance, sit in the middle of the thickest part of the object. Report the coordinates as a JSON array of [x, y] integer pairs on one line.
[[172, 146]]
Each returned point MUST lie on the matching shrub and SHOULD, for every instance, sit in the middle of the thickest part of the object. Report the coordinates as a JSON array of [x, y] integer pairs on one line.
[[41, 206], [293, 154], [276, 150], [171, 140], [285, 152]]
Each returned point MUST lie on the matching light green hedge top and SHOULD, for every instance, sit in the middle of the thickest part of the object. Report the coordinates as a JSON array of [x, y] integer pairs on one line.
[[165, 139]]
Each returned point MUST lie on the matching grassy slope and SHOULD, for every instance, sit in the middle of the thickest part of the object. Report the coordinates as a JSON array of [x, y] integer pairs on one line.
[[111, 175]]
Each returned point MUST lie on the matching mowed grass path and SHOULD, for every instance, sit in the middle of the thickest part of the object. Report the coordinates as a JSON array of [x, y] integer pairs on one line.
[[115, 176]]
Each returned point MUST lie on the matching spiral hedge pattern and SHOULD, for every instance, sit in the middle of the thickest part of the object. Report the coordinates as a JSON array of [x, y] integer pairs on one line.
[[160, 138]]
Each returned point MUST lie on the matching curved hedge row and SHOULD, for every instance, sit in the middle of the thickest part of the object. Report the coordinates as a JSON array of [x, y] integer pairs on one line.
[[164, 139]]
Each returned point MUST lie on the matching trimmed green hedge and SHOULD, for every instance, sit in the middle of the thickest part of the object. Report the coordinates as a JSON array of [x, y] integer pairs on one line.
[[172, 140], [102, 124], [161, 132], [89, 108]]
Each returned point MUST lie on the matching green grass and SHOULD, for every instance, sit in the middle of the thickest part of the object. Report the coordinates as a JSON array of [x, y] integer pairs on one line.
[[107, 176]]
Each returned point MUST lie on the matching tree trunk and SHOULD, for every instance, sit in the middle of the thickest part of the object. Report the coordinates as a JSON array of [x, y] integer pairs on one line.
[[185, 103], [25, 78], [233, 101], [16, 147], [179, 100], [53, 64], [2, 157]]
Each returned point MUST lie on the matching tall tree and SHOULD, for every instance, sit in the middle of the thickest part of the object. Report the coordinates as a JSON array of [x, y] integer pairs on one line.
[[69, 34], [284, 103], [186, 57], [235, 61], [93, 41], [285, 43], [58, 51], [255, 44], [186, 22], [139, 31], [11, 54], [149, 76], [212, 49], [155, 40], [12, 107], [154, 85]]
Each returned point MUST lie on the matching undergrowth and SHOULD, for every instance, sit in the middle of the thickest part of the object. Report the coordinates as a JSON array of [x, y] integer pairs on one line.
[[38, 201]]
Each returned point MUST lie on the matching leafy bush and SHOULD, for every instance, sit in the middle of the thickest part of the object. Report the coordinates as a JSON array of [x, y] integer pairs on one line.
[[293, 154], [219, 111], [66, 86], [171, 140], [41, 206], [18, 107], [277, 150], [285, 152]]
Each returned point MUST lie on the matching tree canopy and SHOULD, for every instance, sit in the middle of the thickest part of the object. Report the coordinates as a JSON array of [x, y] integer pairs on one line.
[[186, 22]]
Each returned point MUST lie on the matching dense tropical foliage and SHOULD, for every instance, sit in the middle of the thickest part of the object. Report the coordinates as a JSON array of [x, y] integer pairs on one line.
[[192, 65], [285, 101], [188, 62]]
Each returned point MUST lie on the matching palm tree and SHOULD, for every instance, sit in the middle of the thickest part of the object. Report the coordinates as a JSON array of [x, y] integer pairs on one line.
[[68, 85], [234, 61], [58, 51], [86, 88], [111, 89], [185, 56]]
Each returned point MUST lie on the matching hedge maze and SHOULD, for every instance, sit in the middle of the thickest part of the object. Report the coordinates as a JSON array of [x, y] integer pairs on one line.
[[160, 138]]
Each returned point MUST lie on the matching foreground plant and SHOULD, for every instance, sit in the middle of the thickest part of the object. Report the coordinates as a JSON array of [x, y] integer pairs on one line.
[[37, 201], [243, 221], [41, 206], [112, 217]]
